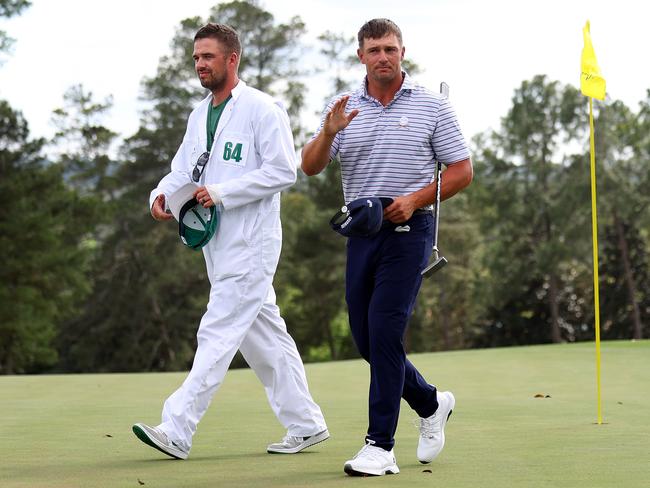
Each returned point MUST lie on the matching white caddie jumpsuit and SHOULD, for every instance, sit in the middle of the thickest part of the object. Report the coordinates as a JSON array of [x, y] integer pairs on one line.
[[251, 161]]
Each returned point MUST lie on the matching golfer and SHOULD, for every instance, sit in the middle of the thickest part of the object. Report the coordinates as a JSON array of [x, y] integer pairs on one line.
[[238, 149], [387, 135]]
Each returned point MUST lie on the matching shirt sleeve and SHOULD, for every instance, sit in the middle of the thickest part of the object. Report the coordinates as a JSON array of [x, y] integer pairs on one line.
[[448, 142], [181, 169]]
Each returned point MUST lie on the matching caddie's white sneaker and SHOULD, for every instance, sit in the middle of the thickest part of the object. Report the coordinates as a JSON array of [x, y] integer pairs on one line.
[[372, 460], [156, 438], [291, 444], [432, 429]]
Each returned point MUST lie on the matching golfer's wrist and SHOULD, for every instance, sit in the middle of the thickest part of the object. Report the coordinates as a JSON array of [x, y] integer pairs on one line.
[[329, 134]]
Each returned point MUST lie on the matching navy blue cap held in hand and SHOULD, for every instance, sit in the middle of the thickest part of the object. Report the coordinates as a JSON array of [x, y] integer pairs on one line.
[[360, 218]]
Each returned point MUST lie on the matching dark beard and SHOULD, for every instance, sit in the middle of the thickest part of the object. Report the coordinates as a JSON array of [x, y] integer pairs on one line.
[[214, 84]]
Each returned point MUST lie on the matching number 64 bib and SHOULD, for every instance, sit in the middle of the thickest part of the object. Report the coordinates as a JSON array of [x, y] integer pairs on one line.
[[233, 148]]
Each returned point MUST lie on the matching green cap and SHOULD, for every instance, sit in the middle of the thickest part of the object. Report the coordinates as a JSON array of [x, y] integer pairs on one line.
[[196, 224]]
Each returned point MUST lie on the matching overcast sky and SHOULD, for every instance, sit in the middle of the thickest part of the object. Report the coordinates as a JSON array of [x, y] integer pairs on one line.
[[483, 49]]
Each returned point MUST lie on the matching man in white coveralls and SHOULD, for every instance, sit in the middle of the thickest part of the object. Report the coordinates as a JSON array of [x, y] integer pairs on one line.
[[238, 150]]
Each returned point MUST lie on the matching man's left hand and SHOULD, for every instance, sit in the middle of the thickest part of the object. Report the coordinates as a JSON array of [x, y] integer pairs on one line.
[[400, 210], [203, 197]]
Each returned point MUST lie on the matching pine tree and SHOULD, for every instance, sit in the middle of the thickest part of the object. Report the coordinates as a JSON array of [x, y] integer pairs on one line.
[[42, 236]]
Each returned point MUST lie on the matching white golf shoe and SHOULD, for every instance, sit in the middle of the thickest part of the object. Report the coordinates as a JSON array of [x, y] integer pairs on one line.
[[372, 460], [432, 429], [291, 444], [156, 438]]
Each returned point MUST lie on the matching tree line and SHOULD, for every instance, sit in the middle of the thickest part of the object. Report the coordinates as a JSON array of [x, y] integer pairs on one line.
[[91, 283]]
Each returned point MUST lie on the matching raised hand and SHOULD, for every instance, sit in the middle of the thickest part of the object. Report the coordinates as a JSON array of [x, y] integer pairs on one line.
[[337, 119]]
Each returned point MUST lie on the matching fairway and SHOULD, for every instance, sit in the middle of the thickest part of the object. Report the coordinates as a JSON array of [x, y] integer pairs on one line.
[[75, 430]]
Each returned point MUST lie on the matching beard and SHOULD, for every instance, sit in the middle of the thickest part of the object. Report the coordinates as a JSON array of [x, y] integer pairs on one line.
[[212, 82]]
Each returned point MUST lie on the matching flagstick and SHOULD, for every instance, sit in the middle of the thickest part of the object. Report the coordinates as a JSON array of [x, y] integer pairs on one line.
[[594, 228]]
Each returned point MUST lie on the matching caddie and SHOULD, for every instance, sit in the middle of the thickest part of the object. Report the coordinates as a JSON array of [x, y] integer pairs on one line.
[[238, 152]]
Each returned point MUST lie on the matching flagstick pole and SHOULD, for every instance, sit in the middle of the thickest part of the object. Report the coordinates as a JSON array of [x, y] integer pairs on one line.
[[594, 228]]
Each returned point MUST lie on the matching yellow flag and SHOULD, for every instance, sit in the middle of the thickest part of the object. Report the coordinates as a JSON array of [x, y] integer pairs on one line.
[[592, 83]]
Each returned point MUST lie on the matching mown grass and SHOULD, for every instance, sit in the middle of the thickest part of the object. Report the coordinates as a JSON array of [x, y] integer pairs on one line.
[[75, 430]]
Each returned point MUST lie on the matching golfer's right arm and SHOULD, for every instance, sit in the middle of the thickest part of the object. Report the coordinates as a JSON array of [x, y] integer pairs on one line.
[[316, 153]]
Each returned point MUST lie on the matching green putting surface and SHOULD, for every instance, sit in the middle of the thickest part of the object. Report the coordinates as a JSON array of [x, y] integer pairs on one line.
[[75, 430]]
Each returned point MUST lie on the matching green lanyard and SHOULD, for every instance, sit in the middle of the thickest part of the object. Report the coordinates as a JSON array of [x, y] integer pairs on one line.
[[214, 114]]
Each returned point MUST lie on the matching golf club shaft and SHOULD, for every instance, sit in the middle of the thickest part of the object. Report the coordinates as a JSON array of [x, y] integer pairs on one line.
[[436, 210], [444, 90], [438, 261]]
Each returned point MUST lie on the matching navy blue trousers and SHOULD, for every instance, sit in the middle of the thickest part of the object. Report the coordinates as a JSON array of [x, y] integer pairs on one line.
[[382, 282]]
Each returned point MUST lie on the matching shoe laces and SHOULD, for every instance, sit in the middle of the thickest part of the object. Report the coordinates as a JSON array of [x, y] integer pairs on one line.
[[291, 439], [370, 451], [169, 442], [162, 436], [429, 426]]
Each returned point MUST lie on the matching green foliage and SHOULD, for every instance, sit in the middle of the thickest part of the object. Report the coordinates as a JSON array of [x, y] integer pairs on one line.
[[272, 54], [529, 213], [42, 236], [336, 48], [148, 297], [411, 67], [622, 151], [83, 145], [173, 91], [92, 283], [148, 291], [533, 200], [270, 51], [9, 8], [447, 308], [618, 299], [310, 278]]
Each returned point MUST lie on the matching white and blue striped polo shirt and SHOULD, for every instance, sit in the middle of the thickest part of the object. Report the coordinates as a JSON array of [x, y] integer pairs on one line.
[[391, 151]]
